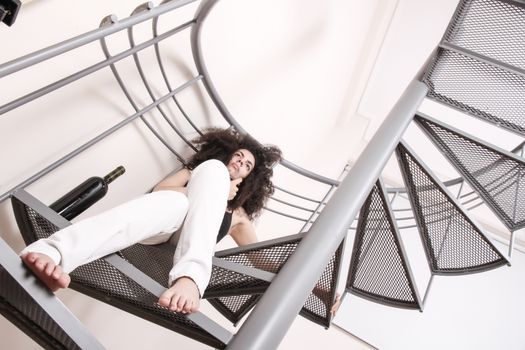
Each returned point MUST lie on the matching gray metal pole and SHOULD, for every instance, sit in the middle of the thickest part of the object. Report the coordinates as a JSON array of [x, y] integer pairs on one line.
[[268, 323]]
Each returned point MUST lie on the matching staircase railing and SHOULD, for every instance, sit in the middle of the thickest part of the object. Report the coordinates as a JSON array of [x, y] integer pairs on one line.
[[327, 218], [109, 27], [271, 318]]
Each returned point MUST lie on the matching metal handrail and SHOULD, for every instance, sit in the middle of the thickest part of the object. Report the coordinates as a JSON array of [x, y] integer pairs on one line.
[[86, 38], [277, 308], [127, 23], [204, 76]]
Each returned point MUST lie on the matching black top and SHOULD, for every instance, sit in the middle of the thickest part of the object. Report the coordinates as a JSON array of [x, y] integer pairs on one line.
[[225, 226]]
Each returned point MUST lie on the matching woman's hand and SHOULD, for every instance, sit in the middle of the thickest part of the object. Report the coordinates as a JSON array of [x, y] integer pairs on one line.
[[234, 187]]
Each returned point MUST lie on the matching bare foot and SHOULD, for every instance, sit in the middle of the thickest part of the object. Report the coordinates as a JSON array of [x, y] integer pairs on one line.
[[46, 270], [183, 296]]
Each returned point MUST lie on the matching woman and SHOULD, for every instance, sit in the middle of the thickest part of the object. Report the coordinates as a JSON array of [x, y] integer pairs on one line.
[[224, 186]]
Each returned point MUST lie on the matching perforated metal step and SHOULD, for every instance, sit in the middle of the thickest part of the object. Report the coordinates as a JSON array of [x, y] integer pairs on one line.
[[104, 282], [453, 243], [479, 67], [497, 175], [379, 269]]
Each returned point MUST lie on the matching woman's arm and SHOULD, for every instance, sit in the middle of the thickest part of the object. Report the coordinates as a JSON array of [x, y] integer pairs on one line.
[[176, 182], [242, 230]]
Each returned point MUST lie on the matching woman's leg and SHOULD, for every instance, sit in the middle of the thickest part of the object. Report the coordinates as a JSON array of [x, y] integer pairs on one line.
[[158, 213], [208, 191]]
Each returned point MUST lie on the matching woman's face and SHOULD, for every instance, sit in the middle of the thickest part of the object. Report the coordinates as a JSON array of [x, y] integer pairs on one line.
[[241, 164]]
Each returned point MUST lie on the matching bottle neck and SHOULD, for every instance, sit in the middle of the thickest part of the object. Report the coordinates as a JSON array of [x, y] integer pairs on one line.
[[114, 174]]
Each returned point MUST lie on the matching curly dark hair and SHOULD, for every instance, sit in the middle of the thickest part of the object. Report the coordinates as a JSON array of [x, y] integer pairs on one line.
[[257, 187]]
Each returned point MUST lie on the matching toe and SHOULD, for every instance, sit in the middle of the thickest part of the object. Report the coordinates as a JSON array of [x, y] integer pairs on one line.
[[195, 306], [174, 303], [49, 269], [188, 306], [164, 300], [39, 265], [63, 280], [57, 273], [30, 257], [181, 304]]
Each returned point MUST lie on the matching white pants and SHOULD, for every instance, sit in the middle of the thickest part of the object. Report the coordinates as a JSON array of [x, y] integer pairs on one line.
[[152, 219]]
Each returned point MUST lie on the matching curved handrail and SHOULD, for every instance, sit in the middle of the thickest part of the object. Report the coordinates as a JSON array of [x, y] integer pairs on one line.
[[109, 26], [202, 13], [86, 38], [94, 140], [138, 17], [196, 28]]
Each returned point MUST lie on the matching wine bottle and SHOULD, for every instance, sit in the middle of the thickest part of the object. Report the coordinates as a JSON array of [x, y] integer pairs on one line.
[[85, 195]]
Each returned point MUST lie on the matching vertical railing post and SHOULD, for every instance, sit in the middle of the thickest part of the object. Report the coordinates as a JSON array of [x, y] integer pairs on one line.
[[272, 317]]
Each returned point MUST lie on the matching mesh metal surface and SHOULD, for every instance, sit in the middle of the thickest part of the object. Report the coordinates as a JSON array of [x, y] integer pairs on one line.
[[317, 307], [379, 269], [104, 282], [234, 308], [228, 291], [225, 282], [498, 178], [453, 243], [479, 89], [231, 293], [271, 257], [492, 86], [492, 28], [21, 310], [156, 261]]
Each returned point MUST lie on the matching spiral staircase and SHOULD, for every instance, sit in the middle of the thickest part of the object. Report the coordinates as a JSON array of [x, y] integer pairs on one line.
[[477, 69]]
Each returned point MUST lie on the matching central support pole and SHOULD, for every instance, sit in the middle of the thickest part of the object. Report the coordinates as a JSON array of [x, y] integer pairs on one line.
[[267, 325]]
